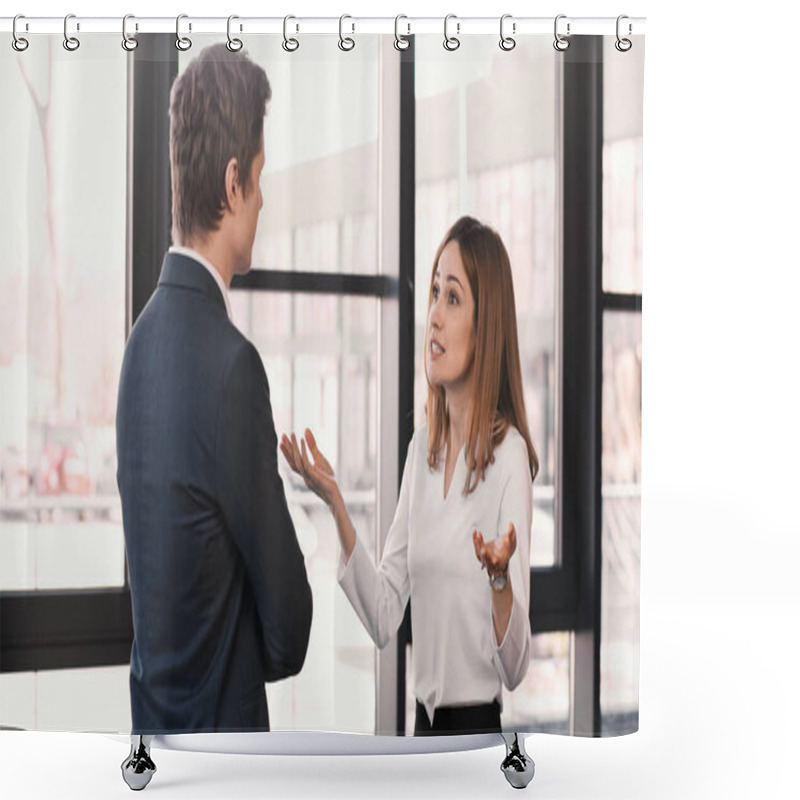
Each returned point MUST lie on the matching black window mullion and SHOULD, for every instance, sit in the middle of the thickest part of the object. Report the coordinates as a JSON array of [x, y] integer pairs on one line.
[[565, 597], [573, 590], [614, 301], [155, 68], [406, 288], [61, 630], [337, 283]]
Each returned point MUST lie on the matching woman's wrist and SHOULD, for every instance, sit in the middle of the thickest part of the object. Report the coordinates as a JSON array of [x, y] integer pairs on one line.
[[502, 602], [499, 579], [335, 503], [344, 525]]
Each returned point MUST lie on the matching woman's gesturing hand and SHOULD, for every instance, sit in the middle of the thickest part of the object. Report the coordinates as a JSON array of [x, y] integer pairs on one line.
[[318, 475], [496, 554]]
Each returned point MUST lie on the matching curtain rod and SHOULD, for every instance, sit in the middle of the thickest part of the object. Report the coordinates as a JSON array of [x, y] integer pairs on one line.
[[460, 26]]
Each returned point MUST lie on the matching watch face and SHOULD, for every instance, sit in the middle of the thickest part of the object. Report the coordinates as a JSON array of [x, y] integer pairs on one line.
[[499, 581]]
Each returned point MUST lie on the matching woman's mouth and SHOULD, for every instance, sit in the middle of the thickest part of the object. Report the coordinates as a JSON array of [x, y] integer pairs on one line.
[[436, 349]]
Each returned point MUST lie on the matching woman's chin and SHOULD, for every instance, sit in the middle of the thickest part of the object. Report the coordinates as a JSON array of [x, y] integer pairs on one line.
[[434, 379]]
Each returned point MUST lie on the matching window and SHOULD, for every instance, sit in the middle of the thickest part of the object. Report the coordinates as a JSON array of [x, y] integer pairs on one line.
[[62, 261], [622, 474], [621, 390], [320, 354]]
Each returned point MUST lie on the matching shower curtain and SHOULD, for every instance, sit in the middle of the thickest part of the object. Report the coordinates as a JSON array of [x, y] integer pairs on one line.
[[372, 152]]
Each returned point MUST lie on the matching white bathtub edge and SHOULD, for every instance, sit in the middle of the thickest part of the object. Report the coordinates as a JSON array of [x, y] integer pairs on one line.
[[317, 743]]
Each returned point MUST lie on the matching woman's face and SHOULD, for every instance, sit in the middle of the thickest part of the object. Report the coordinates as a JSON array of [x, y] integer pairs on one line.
[[449, 337]]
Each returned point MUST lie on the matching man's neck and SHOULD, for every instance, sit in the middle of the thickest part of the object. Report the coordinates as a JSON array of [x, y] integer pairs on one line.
[[212, 251]]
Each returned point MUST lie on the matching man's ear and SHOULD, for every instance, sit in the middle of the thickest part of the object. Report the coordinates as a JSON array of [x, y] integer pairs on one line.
[[232, 189]]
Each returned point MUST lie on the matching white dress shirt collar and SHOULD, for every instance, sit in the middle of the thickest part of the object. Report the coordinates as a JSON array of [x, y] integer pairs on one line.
[[189, 253]]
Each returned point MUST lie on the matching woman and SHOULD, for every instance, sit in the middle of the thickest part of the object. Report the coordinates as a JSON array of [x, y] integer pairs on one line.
[[466, 489]]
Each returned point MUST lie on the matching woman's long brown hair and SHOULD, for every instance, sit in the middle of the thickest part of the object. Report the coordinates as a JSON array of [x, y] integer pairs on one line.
[[497, 398]]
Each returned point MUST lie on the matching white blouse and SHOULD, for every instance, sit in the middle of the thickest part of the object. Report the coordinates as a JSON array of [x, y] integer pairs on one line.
[[429, 556]]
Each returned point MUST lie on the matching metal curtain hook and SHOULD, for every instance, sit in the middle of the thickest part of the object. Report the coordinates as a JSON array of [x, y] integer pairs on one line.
[[345, 42], [19, 43], [70, 42], [507, 42], [128, 42], [289, 44], [234, 45], [451, 42], [181, 42], [561, 43], [623, 45], [400, 42]]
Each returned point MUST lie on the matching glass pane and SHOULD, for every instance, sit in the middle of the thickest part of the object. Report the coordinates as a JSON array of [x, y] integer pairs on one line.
[[541, 702], [622, 473], [94, 699], [622, 168], [320, 354], [486, 132], [320, 180], [62, 262]]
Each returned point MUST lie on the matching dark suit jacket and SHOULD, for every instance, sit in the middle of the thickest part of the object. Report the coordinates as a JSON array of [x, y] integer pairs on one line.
[[221, 601]]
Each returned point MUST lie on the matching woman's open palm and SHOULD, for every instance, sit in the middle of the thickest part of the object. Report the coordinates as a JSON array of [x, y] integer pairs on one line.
[[317, 474], [496, 554]]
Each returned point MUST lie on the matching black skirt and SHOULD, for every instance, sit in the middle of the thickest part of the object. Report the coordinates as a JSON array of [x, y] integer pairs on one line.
[[484, 718]]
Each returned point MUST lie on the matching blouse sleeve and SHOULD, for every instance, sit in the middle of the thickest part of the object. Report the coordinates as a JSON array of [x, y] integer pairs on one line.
[[379, 596], [511, 656]]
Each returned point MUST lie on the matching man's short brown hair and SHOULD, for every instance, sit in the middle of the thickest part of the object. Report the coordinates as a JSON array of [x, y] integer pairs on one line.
[[216, 113]]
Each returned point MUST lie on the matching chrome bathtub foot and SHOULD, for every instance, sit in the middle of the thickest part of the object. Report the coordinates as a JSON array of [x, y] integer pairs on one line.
[[517, 766], [138, 768]]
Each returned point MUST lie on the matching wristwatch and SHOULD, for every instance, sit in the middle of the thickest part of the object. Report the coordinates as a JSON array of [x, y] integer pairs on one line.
[[499, 579]]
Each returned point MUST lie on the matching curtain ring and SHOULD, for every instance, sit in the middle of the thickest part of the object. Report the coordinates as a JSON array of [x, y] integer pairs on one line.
[[451, 42], [70, 42], [233, 44], [183, 43], [19, 43], [507, 42], [400, 42], [345, 42], [623, 45], [128, 42], [561, 43], [289, 44]]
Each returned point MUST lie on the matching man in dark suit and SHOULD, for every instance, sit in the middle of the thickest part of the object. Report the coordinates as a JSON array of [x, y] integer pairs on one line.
[[221, 600]]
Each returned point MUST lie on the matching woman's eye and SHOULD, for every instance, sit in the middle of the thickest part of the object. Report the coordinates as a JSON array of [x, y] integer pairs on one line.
[[435, 292], [453, 299]]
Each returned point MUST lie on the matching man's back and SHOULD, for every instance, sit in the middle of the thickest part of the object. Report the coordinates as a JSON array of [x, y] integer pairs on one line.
[[220, 596]]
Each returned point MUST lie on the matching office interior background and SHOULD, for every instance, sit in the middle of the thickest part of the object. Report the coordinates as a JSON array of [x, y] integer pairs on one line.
[[351, 211]]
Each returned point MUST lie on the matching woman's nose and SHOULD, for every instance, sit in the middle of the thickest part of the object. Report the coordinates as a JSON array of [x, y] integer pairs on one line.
[[435, 315]]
